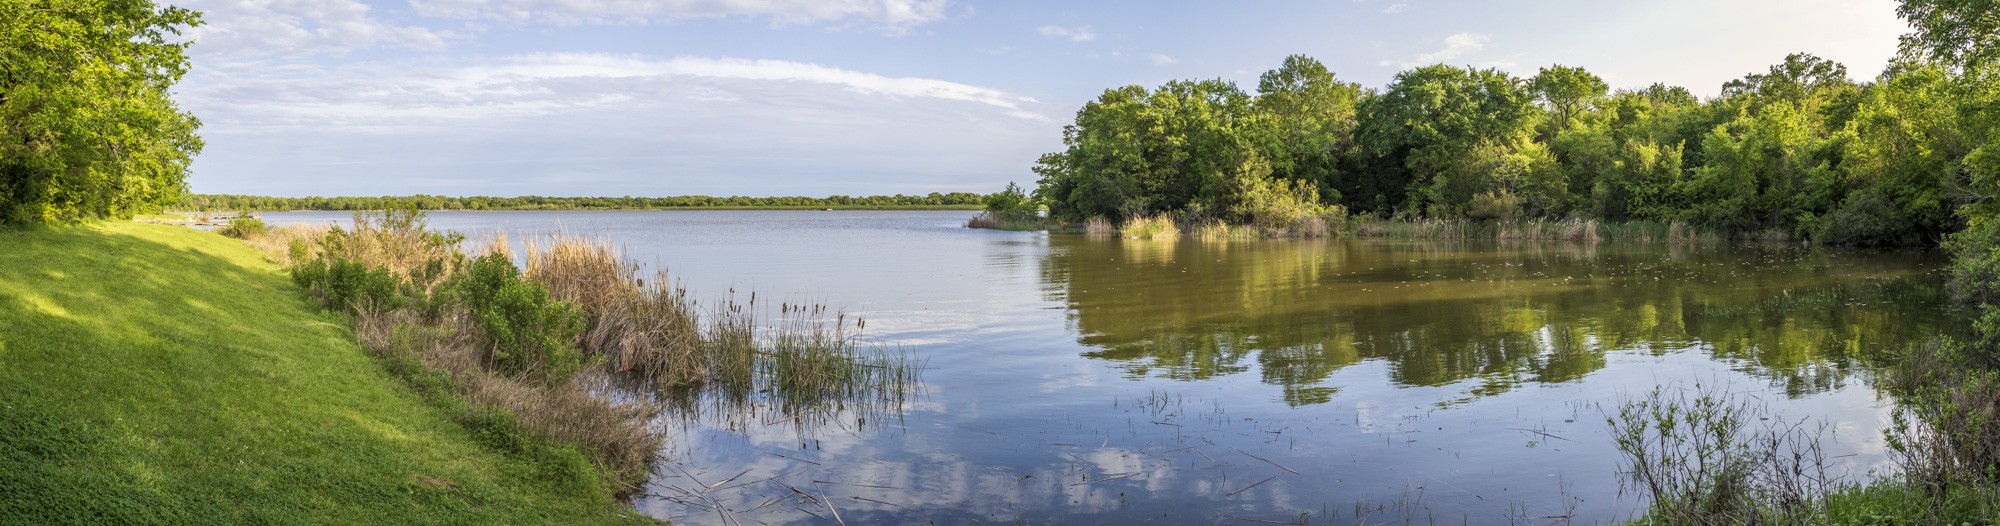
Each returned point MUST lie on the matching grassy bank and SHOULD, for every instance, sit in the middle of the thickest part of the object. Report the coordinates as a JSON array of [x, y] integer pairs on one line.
[[155, 374]]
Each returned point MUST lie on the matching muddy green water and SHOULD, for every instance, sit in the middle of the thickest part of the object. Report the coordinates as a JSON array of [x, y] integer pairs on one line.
[[1075, 380]]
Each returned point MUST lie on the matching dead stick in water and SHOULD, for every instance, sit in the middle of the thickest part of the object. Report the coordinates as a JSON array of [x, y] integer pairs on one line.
[[711, 487], [1252, 485], [876, 501], [828, 503], [1280, 466]]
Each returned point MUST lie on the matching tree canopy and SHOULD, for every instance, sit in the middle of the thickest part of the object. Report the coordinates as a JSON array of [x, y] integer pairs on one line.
[[1799, 150], [87, 127]]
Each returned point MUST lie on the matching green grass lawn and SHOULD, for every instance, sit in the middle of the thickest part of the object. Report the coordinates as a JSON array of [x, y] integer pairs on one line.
[[158, 374]]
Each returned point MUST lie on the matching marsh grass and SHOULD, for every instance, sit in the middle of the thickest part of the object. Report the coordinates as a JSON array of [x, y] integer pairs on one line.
[[1416, 229], [804, 360], [445, 359], [276, 242], [1018, 222], [649, 329], [1099, 227], [1160, 226], [1217, 230]]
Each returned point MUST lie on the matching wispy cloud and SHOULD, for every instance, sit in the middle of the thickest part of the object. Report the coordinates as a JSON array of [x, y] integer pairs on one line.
[[1161, 59], [540, 123], [894, 15], [1455, 46], [1074, 34], [266, 27], [1396, 8]]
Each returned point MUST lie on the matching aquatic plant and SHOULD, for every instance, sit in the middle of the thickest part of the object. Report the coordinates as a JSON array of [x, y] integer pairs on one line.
[[1159, 226]]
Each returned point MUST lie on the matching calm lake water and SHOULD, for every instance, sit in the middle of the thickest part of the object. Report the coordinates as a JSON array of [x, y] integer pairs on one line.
[[1075, 380]]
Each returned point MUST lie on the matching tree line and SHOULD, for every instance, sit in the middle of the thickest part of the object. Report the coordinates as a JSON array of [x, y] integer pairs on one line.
[[228, 202], [1799, 151]]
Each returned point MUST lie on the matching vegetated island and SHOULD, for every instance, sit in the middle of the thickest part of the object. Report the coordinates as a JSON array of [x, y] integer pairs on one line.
[[1796, 153], [252, 203]]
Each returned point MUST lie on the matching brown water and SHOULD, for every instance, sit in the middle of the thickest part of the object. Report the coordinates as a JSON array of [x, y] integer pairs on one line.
[[1076, 380]]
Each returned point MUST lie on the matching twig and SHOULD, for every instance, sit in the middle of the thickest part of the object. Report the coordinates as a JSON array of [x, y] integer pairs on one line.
[[1542, 433], [796, 458], [875, 501], [1280, 466], [1252, 485], [829, 504], [711, 487]]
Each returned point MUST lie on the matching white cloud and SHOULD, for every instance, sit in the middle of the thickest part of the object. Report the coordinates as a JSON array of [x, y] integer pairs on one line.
[[1455, 46], [1074, 34], [1396, 8], [276, 27], [895, 15], [1161, 59], [536, 123]]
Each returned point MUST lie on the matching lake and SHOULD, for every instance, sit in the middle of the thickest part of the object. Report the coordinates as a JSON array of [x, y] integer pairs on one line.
[[1078, 380]]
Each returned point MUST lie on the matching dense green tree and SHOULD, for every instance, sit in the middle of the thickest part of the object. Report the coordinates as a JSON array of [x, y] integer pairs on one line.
[[1309, 119], [1420, 128], [1568, 92], [87, 128], [1136, 152], [1957, 32]]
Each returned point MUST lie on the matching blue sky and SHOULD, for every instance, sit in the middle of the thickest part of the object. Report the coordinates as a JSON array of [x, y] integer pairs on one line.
[[820, 97]]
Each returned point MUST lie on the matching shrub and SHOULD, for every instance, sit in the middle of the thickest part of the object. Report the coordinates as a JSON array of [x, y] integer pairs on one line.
[[243, 226], [348, 285], [1011, 203], [526, 333], [1494, 206], [1865, 219]]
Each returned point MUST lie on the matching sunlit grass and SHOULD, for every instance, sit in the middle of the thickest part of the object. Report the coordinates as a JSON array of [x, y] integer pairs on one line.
[[156, 374]]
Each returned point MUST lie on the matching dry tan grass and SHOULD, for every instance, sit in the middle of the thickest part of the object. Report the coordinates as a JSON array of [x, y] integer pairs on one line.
[[616, 433], [647, 329], [276, 242], [1159, 226], [1099, 227]]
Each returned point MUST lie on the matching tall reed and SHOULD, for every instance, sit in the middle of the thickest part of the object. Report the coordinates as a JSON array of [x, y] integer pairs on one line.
[[1099, 227], [645, 329], [1159, 226]]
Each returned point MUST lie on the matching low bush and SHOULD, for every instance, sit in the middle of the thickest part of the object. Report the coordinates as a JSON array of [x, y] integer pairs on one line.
[[527, 334], [243, 226], [349, 285], [1866, 219]]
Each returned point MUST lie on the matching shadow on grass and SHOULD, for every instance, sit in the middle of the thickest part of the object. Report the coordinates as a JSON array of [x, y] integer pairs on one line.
[[161, 375]]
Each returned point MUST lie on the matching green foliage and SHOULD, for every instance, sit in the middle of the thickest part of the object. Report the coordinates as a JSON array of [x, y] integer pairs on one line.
[[1422, 125], [348, 285], [1568, 91], [87, 129], [1012, 202], [528, 334], [1866, 219], [1277, 204], [243, 226], [203, 390], [1306, 122], [1959, 32], [1494, 206]]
